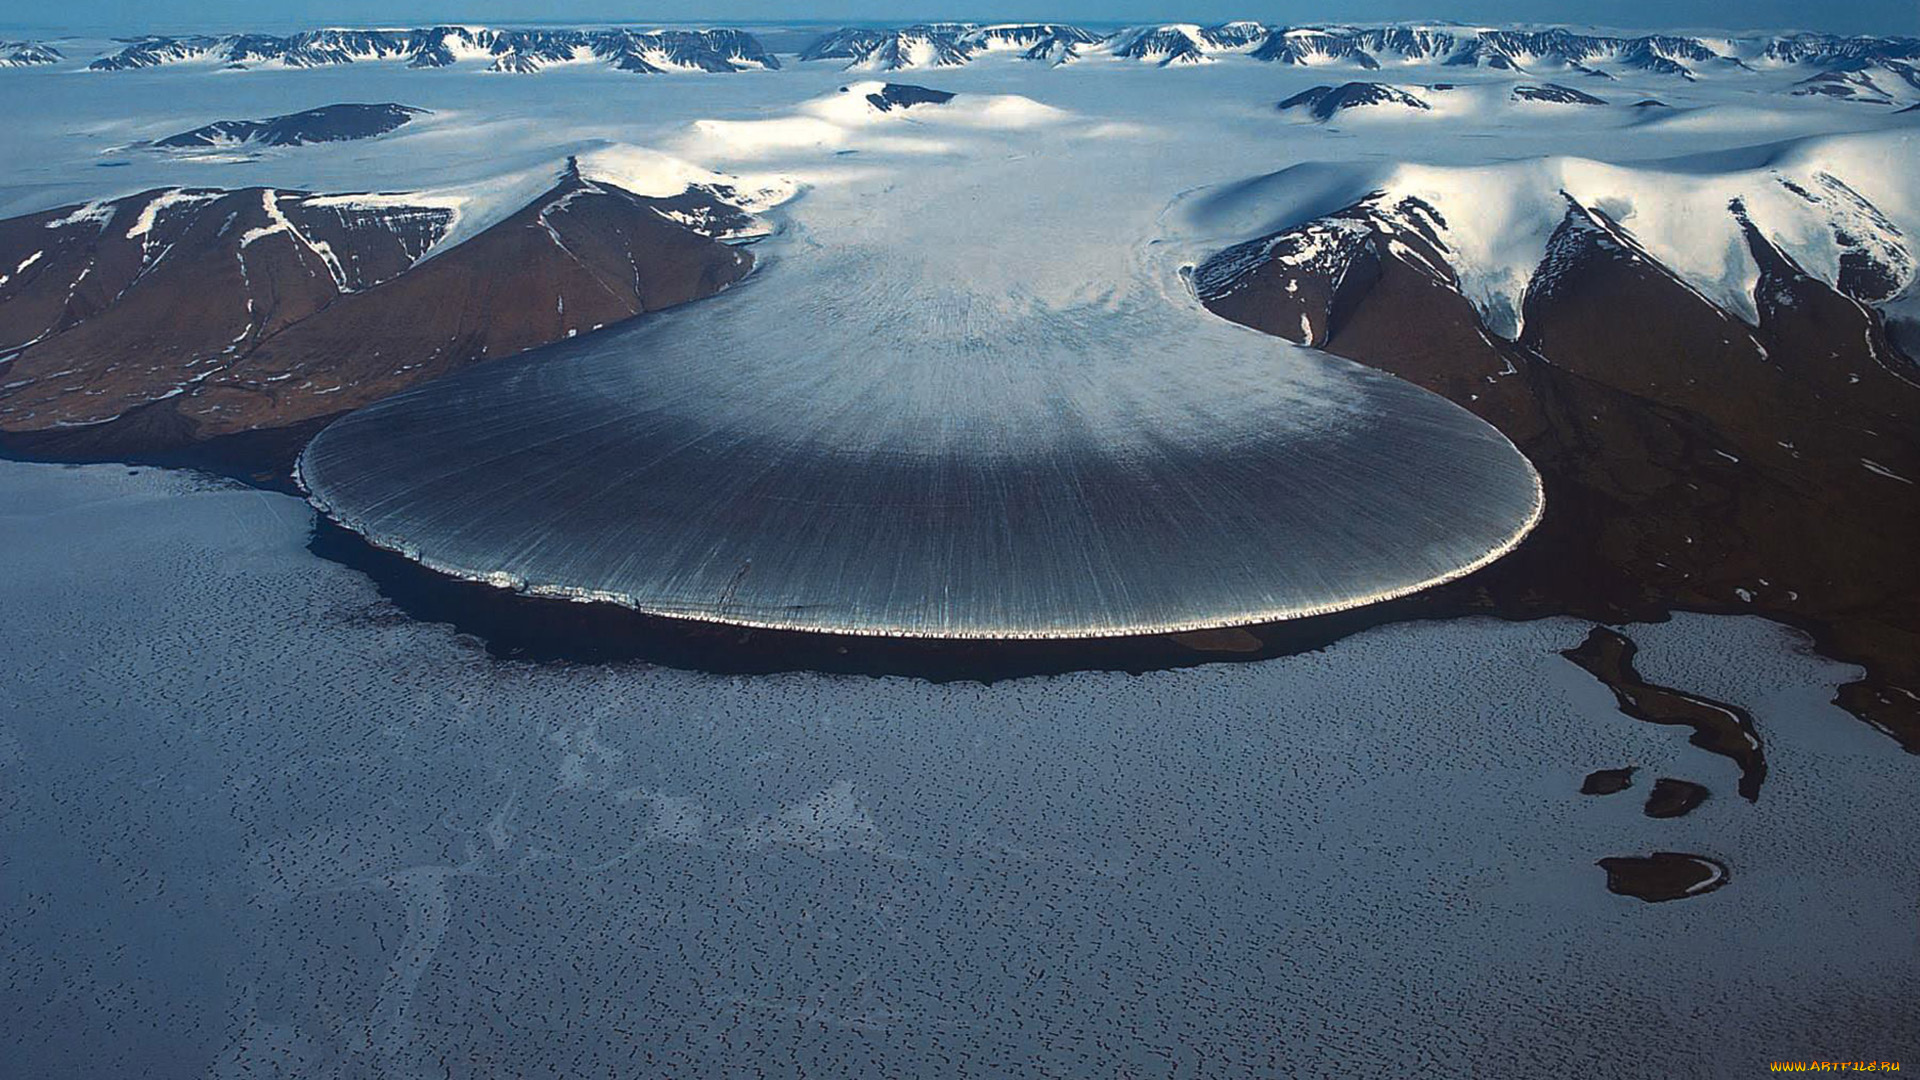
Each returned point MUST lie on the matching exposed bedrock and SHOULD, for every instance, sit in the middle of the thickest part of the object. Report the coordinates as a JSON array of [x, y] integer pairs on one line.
[[180, 315], [1718, 728], [1663, 876], [1690, 459], [1325, 102], [328, 123]]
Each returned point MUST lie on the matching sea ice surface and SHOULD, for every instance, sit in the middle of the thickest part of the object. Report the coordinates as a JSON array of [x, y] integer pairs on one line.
[[252, 820]]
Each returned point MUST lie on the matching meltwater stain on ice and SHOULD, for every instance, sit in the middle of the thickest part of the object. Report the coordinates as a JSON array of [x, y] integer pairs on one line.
[[940, 410]]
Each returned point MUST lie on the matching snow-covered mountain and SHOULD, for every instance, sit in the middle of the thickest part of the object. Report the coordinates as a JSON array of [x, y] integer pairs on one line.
[[235, 309], [1825, 49], [1496, 234], [932, 45], [1309, 46], [509, 49], [28, 54], [942, 44], [1708, 359], [1859, 60], [1185, 43], [1368, 48], [1844, 86], [1029, 36], [1324, 102]]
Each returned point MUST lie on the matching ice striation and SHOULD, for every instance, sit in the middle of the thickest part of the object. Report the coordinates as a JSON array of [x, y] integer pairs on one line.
[[1039, 443], [930, 461]]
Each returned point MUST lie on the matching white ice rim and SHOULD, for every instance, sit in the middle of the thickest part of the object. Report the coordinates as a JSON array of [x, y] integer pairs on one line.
[[507, 582]]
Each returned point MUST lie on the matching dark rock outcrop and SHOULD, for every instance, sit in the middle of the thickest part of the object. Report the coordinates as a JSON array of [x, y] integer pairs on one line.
[[1323, 102], [1555, 94], [1718, 728], [328, 123], [231, 311], [1844, 86], [1607, 781], [1690, 460], [902, 96], [1672, 798], [1663, 875]]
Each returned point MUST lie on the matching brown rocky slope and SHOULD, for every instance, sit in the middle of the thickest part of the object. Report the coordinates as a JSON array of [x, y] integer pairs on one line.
[[1690, 461], [176, 316]]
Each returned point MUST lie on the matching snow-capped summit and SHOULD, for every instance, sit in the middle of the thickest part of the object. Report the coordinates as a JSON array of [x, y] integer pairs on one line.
[[929, 45], [1184, 43], [1310, 46], [1825, 205], [1535, 51], [944, 44], [28, 54], [1029, 36]]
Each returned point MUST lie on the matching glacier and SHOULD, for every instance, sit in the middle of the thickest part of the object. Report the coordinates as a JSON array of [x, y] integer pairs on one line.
[[909, 425]]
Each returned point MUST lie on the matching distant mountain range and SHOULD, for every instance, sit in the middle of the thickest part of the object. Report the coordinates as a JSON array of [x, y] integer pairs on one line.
[[515, 50], [923, 45]]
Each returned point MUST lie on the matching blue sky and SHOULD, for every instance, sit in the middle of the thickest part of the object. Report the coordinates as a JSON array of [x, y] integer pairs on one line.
[[121, 16]]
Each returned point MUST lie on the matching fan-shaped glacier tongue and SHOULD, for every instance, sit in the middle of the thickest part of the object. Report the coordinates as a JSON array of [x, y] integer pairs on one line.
[[923, 418], [899, 457]]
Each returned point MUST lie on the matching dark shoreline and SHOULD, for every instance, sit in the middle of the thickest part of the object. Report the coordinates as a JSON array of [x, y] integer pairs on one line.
[[514, 626], [261, 459], [1534, 581]]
